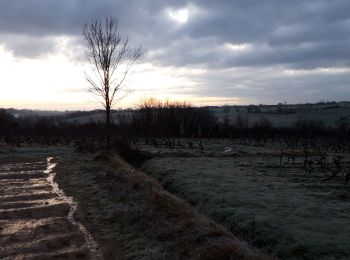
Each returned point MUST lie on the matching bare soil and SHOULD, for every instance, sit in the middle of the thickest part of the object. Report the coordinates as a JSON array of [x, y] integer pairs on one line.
[[34, 217]]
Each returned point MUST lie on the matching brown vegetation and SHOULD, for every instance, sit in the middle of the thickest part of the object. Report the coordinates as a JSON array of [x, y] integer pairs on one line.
[[124, 204]]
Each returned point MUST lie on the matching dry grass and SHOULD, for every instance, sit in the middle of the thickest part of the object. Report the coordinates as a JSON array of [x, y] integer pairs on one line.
[[119, 203]]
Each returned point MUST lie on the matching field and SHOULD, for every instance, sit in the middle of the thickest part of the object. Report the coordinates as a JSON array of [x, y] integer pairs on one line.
[[282, 209], [327, 116], [132, 217], [284, 190], [57, 203]]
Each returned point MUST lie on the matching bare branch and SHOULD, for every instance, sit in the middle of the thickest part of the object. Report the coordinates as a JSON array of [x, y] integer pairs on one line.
[[111, 60]]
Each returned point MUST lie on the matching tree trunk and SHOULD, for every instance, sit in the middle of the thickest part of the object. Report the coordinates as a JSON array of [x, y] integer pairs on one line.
[[108, 124]]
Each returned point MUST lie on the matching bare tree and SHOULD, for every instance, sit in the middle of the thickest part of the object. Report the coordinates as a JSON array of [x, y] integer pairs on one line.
[[111, 59]]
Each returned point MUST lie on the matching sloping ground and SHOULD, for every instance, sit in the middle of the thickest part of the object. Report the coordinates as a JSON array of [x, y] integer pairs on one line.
[[33, 217], [133, 217]]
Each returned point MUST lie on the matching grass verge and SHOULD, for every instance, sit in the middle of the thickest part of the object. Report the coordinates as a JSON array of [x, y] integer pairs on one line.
[[133, 217]]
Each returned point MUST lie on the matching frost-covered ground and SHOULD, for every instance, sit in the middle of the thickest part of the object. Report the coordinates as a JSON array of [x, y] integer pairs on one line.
[[133, 217], [282, 209], [126, 211]]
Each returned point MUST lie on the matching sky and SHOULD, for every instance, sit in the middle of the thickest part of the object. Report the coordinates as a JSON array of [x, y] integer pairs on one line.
[[205, 52]]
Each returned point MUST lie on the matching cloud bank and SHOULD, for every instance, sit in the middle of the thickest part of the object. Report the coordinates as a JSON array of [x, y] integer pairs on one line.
[[263, 51]]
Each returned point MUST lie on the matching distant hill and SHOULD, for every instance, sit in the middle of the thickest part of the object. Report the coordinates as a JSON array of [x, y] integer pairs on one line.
[[279, 115], [328, 116], [287, 114], [29, 112]]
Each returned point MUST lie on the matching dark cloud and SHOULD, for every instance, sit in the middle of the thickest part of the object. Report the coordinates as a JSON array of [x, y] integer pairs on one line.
[[274, 85], [28, 46], [298, 34]]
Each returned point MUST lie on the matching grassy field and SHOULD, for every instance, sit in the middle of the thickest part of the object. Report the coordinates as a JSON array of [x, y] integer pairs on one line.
[[327, 116], [129, 213], [133, 217], [281, 209]]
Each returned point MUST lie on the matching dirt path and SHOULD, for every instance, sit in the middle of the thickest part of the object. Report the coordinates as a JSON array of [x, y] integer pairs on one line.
[[36, 218]]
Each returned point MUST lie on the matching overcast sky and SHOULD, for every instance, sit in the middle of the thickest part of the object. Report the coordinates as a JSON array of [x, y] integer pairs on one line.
[[207, 52]]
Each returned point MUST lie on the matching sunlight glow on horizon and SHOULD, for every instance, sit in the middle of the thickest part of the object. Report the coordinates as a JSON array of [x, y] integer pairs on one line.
[[38, 81], [55, 82]]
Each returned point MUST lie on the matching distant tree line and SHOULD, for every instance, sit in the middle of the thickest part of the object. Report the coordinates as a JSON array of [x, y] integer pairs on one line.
[[155, 119], [44, 130], [173, 119]]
